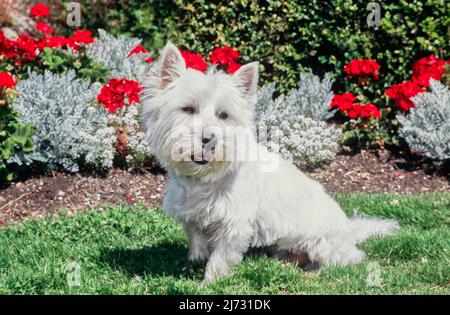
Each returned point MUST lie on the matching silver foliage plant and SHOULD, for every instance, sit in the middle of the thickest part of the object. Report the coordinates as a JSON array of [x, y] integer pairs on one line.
[[128, 119], [69, 128], [112, 52], [312, 97], [293, 125], [426, 127]]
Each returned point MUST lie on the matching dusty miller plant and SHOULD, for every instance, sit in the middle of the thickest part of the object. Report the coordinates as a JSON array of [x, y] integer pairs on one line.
[[112, 52], [126, 119], [293, 129], [426, 127], [312, 97], [69, 130]]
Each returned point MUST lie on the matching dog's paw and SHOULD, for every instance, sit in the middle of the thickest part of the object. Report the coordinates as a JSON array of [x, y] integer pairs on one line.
[[312, 267], [208, 279], [189, 271], [191, 267], [199, 255]]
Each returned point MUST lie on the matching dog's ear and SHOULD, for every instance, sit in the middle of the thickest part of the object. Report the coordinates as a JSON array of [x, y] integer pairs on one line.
[[171, 64], [247, 79]]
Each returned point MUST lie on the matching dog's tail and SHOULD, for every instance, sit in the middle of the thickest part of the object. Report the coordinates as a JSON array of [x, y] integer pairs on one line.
[[361, 228]]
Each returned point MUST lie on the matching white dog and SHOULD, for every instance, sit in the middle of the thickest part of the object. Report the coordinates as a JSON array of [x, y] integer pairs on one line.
[[228, 205]]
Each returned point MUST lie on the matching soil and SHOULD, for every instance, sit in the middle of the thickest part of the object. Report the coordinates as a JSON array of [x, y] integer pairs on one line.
[[366, 171], [380, 172], [43, 196]]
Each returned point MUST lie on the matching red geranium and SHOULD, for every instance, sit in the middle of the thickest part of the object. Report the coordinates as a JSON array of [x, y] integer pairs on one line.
[[119, 92], [51, 42], [139, 49], [149, 59], [232, 68], [80, 37], [44, 27], [26, 48], [225, 56], [7, 47], [362, 67], [194, 61], [364, 111], [401, 93], [343, 101], [39, 10], [370, 110], [426, 68], [6, 80]]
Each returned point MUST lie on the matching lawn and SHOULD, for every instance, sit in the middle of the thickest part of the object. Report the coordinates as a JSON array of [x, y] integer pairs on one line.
[[137, 251]]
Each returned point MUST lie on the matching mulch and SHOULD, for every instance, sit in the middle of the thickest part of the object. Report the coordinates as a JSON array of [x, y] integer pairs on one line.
[[380, 172], [41, 197], [366, 171]]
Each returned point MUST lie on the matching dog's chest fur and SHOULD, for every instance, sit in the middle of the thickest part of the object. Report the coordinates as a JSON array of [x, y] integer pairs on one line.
[[212, 207]]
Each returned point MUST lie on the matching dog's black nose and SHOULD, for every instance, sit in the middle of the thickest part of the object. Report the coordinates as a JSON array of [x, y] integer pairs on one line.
[[199, 162], [206, 140], [209, 143]]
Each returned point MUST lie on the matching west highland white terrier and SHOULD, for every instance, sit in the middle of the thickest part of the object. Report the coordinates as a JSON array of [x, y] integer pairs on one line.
[[226, 189]]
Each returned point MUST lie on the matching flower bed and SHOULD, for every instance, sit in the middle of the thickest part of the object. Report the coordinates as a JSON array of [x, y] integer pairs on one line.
[[73, 103]]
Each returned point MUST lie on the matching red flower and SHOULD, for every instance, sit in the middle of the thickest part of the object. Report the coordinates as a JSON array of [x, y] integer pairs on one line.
[[225, 56], [362, 67], [80, 37], [402, 93], [7, 47], [149, 59], [26, 48], [119, 92], [44, 27], [426, 68], [139, 49], [194, 61], [39, 10], [51, 42], [23, 49], [355, 111], [370, 110], [232, 68], [364, 111], [6, 80], [343, 101]]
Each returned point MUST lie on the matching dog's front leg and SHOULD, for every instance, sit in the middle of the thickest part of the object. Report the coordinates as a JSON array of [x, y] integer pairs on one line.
[[198, 244], [226, 254]]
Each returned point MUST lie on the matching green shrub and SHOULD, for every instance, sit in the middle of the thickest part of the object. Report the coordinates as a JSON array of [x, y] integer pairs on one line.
[[289, 37], [132, 18], [15, 139], [61, 61]]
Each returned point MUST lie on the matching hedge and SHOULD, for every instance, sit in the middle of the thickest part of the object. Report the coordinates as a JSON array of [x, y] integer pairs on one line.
[[288, 37]]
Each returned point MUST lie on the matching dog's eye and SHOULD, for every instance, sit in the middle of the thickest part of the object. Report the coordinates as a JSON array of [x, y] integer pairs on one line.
[[189, 110], [223, 115]]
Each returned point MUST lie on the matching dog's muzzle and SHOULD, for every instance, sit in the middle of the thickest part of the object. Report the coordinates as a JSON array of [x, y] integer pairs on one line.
[[199, 162], [208, 145]]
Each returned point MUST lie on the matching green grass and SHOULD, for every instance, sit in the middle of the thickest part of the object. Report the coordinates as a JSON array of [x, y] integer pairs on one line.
[[126, 251]]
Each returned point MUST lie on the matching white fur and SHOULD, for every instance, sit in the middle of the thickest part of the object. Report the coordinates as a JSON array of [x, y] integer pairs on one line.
[[226, 207]]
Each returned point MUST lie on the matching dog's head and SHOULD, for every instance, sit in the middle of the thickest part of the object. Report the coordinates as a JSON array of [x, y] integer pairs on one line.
[[196, 122]]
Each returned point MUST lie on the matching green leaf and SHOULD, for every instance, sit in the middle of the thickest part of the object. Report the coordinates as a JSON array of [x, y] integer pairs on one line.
[[349, 137]]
